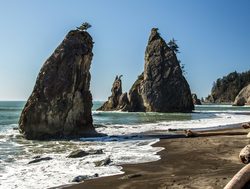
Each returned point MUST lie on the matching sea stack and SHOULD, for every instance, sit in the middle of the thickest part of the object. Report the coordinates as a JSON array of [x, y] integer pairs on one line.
[[60, 104], [117, 100], [162, 86], [196, 100]]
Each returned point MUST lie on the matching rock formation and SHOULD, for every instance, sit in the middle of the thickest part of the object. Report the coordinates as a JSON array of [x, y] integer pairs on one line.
[[225, 89], [161, 87], [117, 100], [243, 98], [196, 101], [60, 104]]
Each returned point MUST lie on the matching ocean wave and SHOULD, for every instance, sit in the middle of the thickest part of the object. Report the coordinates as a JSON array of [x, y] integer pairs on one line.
[[61, 170]]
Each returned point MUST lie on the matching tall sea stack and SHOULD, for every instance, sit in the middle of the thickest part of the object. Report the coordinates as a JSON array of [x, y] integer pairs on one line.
[[60, 104], [162, 86]]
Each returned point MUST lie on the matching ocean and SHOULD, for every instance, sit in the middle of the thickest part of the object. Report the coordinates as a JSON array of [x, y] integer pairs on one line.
[[124, 143]]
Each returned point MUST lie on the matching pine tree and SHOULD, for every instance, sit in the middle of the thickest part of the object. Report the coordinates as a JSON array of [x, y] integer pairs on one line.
[[84, 26]]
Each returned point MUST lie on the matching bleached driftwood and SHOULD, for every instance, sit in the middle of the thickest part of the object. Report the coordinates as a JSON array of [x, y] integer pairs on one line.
[[245, 154], [240, 179], [190, 133]]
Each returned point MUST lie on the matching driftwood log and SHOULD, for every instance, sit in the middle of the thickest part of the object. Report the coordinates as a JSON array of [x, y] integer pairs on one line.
[[190, 133], [240, 179]]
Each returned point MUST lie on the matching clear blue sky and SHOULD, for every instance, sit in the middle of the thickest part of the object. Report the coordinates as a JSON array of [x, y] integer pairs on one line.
[[214, 39]]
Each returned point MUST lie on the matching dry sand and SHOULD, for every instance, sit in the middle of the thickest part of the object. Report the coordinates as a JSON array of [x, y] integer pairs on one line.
[[200, 162]]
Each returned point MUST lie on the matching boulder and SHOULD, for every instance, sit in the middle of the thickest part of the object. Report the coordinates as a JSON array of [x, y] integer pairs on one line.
[[245, 154], [60, 104], [196, 101], [81, 178], [38, 159], [77, 154], [243, 98], [104, 162], [82, 153]]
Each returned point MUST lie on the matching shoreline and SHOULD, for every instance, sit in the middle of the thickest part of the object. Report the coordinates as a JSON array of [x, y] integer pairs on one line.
[[199, 162]]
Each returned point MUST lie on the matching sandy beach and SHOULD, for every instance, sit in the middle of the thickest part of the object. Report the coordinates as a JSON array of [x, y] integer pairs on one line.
[[200, 162]]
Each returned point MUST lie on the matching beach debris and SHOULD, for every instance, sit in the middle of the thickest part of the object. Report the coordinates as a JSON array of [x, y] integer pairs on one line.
[[245, 154], [104, 162], [36, 160], [82, 153], [190, 133], [130, 176], [240, 179], [245, 125], [81, 178]]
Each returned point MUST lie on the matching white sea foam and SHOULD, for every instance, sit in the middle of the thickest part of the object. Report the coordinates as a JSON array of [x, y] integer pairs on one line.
[[123, 145], [221, 119], [61, 170]]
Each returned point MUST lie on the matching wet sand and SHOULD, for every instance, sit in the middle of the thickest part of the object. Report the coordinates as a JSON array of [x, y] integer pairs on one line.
[[200, 162]]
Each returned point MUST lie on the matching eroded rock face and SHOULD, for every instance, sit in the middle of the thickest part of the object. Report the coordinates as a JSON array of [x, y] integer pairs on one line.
[[161, 87], [196, 100], [243, 98], [117, 100], [60, 104]]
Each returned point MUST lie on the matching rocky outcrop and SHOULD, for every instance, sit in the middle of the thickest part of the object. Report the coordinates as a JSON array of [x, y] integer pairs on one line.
[[60, 104], [117, 100], [226, 89], [243, 98], [162, 86], [196, 101]]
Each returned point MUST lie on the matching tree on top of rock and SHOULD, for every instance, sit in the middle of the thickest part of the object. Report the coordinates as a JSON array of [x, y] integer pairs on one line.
[[173, 46], [84, 26]]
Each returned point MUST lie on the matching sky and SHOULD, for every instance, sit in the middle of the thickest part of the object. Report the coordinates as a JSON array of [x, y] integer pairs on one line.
[[213, 36]]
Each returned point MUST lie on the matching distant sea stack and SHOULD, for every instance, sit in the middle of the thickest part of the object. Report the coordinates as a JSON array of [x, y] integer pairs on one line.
[[196, 100], [225, 89], [117, 100], [243, 98], [60, 104], [162, 86]]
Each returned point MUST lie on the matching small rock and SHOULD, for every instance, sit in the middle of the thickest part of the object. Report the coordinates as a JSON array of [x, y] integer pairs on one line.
[[40, 159], [104, 162], [131, 176], [94, 152], [245, 154], [77, 154], [36, 157], [245, 125], [81, 178]]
